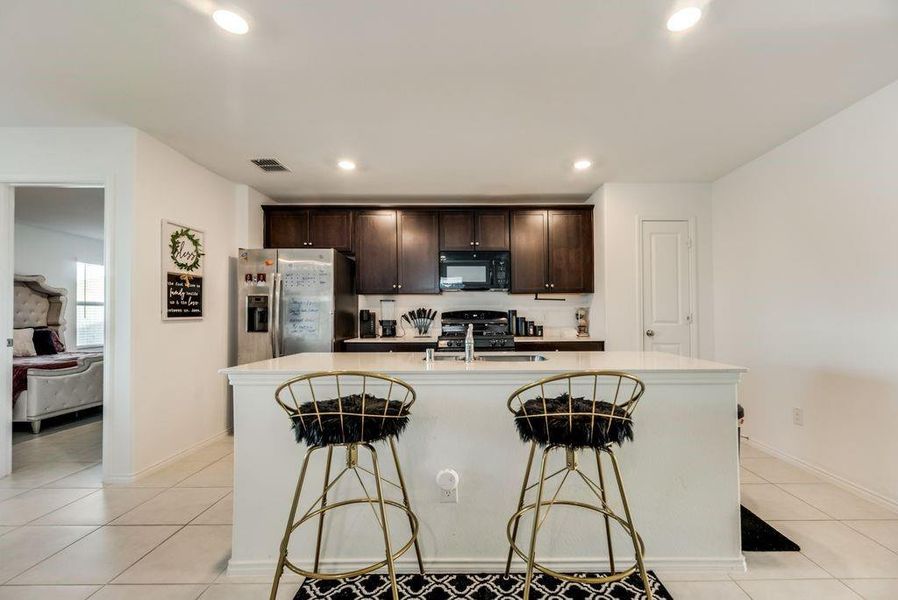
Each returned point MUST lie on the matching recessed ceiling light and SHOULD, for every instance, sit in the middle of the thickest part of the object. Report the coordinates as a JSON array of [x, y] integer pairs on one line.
[[582, 164], [346, 164], [230, 21], [684, 18]]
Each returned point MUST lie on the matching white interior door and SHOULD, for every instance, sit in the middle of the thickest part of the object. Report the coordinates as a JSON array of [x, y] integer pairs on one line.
[[667, 317], [6, 309]]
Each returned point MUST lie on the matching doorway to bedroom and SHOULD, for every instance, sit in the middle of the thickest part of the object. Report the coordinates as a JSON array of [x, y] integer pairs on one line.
[[59, 308]]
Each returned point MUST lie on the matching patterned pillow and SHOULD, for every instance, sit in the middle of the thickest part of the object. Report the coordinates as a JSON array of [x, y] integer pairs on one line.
[[57, 343], [23, 342]]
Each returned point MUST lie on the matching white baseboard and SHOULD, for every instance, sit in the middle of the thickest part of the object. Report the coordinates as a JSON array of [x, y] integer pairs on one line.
[[822, 473], [126, 479], [265, 568]]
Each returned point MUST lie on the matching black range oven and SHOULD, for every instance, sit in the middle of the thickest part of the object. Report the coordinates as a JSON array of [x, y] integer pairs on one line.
[[475, 271]]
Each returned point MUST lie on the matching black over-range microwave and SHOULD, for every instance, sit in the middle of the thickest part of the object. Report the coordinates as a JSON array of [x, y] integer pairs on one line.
[[475, 271]]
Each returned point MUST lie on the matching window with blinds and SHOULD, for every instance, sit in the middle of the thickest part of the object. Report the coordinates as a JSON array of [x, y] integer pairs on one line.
[[89, 311]]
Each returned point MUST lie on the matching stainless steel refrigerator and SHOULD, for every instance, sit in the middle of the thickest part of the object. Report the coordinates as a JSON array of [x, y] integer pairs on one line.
[[293, 300]]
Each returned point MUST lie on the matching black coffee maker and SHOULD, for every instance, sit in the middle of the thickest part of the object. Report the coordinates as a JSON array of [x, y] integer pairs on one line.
[[367, 324]]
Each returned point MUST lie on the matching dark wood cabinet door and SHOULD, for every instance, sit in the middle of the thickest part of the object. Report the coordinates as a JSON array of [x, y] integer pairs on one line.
[[287, 228], [457, 230], [376, 252], [492, 230], [570, 251], [419, 252], [331, 228], [529, 251]]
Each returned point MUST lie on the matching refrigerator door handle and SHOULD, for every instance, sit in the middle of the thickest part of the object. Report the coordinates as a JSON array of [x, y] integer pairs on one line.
[[276, 315]]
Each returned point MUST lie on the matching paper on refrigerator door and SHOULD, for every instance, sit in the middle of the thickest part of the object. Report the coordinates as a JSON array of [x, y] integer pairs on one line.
[[303, 318]]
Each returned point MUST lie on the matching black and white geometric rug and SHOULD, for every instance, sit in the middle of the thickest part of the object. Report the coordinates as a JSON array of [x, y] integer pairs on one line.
[[487, 586]]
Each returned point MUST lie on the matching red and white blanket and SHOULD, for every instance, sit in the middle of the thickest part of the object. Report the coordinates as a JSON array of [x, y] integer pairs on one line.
[[21, 365]]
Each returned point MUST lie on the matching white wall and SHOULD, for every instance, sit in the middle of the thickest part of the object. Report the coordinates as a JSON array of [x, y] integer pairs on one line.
[[622, 204], [806, 292], [179, 398], [53, 254], [98, 156], [163, 394], [250, 219]]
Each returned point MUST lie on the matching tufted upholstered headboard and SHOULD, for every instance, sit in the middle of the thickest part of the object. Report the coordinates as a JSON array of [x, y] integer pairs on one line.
[[36, 304]]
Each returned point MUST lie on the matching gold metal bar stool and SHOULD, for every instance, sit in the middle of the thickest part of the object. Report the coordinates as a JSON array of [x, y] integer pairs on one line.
[[379, 412], [566, 421]]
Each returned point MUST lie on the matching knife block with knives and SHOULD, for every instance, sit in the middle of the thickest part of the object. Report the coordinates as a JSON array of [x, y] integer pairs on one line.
[[420, 319]]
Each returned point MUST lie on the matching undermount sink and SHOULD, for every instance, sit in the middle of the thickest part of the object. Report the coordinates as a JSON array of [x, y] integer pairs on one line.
[[446, 357], [509, 357], [494, 357]]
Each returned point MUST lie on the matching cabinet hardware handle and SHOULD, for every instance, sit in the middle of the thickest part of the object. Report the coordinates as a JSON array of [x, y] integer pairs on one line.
[[394, 286], [552, 285], [399, 286], [476, 243], [472, 243], [547, 285]]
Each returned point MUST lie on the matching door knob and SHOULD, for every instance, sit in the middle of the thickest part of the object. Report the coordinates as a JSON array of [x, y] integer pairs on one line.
[[650, 332]]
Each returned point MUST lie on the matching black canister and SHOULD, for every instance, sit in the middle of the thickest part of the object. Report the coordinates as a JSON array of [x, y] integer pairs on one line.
[[522, 327], [513, 322], [539, 331], [531, 328]]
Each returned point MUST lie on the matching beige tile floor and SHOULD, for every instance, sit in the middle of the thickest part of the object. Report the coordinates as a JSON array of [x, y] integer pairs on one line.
[[65, 536]]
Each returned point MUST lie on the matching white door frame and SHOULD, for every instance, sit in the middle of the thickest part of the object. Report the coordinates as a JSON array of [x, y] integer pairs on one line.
[[693, 276], [7, 230]]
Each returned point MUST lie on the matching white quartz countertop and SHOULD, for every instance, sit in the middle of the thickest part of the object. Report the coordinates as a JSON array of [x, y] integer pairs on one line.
[[413, 362], [555, 338], [410, 339]]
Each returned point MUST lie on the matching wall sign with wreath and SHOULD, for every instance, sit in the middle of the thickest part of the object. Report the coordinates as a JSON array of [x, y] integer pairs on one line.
[[183, 252]]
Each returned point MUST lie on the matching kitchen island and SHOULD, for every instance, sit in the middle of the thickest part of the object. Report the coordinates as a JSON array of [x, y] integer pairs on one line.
[[681, 472]]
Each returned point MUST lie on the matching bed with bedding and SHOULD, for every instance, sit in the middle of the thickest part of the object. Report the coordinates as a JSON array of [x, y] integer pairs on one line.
[[47, 380]]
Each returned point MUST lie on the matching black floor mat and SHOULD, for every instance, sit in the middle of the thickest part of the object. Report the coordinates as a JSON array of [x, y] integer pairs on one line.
[[758, 536]]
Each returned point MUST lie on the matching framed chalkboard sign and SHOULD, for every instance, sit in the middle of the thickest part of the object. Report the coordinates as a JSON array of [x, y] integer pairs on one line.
[[184, 297], [183, 256]]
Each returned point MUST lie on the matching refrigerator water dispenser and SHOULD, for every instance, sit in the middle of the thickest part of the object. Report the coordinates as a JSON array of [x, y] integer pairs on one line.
[[257, 313]]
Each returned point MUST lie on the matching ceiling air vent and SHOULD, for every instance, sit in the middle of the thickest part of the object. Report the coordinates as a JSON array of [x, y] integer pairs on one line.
[[269, 165]]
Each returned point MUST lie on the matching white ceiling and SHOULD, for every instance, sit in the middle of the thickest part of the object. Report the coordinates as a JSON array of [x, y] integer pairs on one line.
[[448, 96], [78, 211]]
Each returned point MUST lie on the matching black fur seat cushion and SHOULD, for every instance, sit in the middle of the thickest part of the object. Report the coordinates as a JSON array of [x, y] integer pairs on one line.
[[307, 428], [560, 431]]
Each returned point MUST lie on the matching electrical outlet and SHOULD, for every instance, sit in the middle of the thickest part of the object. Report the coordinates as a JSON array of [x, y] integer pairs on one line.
[[798, 416], [447, 482]]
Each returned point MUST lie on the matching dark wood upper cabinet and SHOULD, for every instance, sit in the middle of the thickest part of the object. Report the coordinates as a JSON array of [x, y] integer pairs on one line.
[[377, 251], [457, 230], [397, 249], [492, 230], [331, 228], [570, 251], [551, 251], [308, 228], [474, 230], [286, 228], [529, 251], [419, 256]]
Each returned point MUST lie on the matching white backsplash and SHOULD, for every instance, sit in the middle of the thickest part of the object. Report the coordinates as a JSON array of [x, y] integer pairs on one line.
[[557, 318]]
